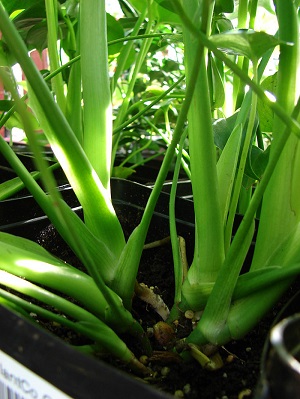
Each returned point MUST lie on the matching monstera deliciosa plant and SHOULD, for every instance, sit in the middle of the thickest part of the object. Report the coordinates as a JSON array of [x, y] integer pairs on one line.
[[76, 115]]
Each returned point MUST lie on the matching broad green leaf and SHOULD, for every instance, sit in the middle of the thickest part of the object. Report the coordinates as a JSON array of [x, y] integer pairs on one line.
[[122, 172], [222, 129], [224, 6], [114, 31], [36, 37], [256, 162], [167, 4], [245, 42], [221, 24], [265, 113], [13, 5], [160, 13]]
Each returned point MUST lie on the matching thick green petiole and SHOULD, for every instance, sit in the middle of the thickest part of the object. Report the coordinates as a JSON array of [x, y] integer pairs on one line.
[[97, 110]]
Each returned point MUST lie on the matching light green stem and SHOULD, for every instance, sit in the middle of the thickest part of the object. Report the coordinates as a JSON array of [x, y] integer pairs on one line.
[[57, 81], [97, 112], [209, 242]]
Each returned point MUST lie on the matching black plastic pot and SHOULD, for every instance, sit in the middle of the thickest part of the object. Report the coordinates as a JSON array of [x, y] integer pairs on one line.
[[54, 362], [280, 364], [25, 155]]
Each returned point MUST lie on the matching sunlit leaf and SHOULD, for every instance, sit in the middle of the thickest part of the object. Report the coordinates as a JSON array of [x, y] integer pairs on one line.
[[122, 172], [265, 113], [248, 43], [160, 13]]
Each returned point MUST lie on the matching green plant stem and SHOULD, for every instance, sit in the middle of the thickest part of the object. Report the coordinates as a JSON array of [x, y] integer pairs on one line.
[[209, 241], [179, 265], [147, 107], [127, 48], [57, 81], [185, 159], [97, 110], [238, 85], [125, 103], [74, 98]]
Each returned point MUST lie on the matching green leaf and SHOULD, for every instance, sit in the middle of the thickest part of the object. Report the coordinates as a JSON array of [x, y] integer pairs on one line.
[[248, 43], [122, 172], [266, 115], [160, 12], [256, 162], [167, 4], [5, 105], [222, 129], [13, 5], [224, 6], [114, 31]]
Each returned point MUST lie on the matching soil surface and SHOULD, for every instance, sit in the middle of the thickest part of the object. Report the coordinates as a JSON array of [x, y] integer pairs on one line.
[[237, 379]]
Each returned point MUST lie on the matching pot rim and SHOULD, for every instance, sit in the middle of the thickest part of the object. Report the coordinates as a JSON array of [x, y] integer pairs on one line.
[[278, 338]]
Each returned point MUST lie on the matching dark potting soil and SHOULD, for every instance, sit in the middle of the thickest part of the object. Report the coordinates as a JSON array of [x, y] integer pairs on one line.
[[238, 377]]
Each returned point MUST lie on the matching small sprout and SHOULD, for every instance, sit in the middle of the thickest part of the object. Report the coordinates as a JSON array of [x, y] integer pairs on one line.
[[163, 333], [179, 393], [189, 314], [248, 349], [212, 363]]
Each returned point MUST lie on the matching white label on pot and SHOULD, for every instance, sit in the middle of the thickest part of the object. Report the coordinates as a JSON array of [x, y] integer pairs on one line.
[[18, 382]]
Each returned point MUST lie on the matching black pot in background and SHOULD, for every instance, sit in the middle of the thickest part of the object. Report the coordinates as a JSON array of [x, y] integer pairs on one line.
[[25, 155], [280, 363]]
